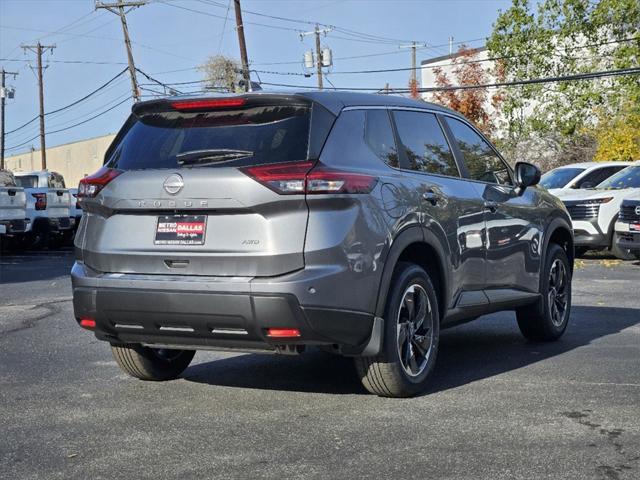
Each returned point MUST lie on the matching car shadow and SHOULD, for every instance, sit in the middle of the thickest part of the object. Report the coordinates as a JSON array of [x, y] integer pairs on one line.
[[490, 346], [30, 265]]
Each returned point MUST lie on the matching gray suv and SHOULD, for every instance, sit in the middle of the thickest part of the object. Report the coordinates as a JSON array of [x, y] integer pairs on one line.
[[360, 224]]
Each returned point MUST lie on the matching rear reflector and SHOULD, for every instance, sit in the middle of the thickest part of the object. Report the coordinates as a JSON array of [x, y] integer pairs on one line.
[[87, 323], [302, 177], [41, 200], [207, 104], [283, 332], [90, 186]]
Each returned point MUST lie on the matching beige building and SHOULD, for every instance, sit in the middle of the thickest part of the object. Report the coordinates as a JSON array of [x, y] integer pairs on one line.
[[72, 160]]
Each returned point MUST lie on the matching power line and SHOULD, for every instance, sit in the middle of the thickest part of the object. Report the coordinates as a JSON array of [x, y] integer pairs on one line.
[[90, 94], [74, 125], [565, 78]]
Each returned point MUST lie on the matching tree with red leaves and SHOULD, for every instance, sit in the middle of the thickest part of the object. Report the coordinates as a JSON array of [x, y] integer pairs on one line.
[[472, 103]]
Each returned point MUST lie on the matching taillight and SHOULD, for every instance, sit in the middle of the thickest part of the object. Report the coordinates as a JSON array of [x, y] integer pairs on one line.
[[207, 104], [91, 185], [89, 323], [302, 177], [41, 200]]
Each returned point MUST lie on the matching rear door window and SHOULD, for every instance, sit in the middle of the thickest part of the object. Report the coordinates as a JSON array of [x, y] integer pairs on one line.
[[424, 144], [481, 160], [379, 136], [237, 137]]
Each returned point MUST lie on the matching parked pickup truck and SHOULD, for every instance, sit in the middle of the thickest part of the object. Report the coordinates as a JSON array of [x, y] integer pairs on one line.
[[48, 207], [13, 221]]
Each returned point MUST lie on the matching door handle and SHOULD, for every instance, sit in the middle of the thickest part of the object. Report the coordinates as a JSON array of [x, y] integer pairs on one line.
[[491, 206], [431, 197]]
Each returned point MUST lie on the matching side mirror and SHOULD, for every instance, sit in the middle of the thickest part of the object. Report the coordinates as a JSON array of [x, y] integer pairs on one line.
[[527, 175], [586, 185]]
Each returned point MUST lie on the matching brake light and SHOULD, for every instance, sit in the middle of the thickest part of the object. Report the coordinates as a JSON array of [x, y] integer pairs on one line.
[[91, 185], [41, 200], [302, 177], [87, 323], [207, 104], [283, 332]]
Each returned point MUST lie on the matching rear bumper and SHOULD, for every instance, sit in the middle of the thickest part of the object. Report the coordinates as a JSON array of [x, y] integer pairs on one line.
[[207, 313], [18, 225]]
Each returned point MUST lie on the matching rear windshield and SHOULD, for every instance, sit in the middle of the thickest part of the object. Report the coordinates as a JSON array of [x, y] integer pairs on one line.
[[559, 177], [27, 181], [248, 136]]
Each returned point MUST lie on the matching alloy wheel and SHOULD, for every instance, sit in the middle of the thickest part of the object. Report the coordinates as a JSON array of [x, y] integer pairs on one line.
[[415, 330], [558, 298]]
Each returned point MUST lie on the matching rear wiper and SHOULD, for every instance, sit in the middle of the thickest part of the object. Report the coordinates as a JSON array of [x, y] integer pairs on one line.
[[208, 157]]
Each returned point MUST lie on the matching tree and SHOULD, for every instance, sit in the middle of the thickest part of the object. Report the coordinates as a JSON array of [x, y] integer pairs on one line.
[[619, 137], [222, 73], [564, 37], [472, 103]]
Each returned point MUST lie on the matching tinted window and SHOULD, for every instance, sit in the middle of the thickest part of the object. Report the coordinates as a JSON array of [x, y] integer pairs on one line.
[[559, 177], [627, 178], [597, 176], [481, 160], [263, 134], [27, 181], [379, 136], [424, 143]]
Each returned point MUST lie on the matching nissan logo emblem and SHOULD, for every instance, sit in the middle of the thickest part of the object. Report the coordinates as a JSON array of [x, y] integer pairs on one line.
[[173, 184], [638, 210]]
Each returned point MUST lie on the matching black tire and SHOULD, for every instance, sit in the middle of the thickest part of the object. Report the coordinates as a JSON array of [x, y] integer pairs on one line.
[[386, 374], [620, 253], [545, 320], [580, 251], [150, 363]]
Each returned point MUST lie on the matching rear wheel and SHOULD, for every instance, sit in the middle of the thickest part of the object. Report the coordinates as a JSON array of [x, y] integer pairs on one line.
[[411, 336], [547, 319], [155, 364]]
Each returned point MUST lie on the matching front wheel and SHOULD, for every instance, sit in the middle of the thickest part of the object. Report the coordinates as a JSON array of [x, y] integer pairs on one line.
[[547, 319], [156, 364], [411, 336]]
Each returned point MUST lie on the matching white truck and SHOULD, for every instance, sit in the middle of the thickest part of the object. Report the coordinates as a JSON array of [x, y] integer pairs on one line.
[[48, 208], [13, 217]]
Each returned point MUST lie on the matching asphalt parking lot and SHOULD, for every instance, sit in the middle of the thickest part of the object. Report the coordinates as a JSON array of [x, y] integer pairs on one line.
[[498, 407]]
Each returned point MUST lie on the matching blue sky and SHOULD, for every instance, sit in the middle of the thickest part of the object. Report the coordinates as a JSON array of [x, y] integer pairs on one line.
[[168, 36]]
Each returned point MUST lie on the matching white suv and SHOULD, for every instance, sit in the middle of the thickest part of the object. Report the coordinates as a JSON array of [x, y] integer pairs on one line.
[[579, 175], [594, 211]]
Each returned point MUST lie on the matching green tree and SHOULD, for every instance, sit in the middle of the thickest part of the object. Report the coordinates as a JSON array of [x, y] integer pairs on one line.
[[564, 37]]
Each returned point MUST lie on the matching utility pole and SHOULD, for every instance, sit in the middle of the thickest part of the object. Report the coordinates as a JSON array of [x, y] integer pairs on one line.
[[38, 49], [243, 46], [118, 9], [319, 59], [413, 82], [3, 95]]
